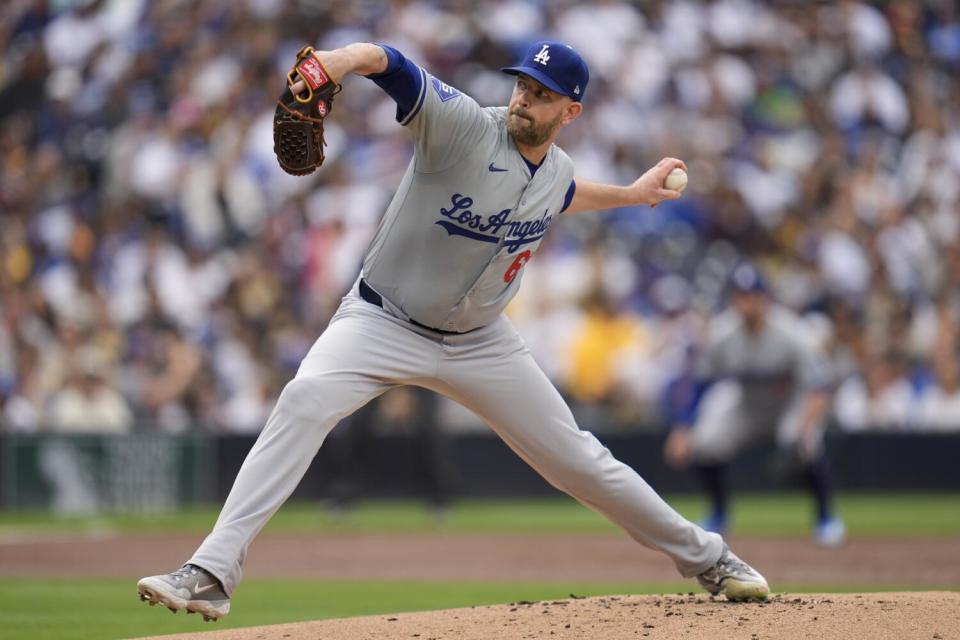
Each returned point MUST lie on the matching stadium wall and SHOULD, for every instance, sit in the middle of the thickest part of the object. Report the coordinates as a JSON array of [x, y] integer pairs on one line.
[[82, 474]]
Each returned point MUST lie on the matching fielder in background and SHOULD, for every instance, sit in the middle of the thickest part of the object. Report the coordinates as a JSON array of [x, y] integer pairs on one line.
[[482, 188], [761, 375]]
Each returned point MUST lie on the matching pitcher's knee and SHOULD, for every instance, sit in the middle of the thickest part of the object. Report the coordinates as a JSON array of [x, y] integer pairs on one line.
[[584, 473]]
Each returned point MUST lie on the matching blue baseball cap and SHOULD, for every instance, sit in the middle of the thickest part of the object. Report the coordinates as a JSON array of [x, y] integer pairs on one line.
[[747, 279], [556, 66]]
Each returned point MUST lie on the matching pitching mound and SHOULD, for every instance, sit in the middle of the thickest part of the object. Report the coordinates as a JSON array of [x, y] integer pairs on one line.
[[931, 615]]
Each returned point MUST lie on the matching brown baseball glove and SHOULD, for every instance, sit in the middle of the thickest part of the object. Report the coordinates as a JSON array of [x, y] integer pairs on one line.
[[298, 121]]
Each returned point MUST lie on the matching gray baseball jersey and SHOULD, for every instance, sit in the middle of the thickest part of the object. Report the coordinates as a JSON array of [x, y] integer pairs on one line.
[[763, 380], [450, 249], [772, 366]]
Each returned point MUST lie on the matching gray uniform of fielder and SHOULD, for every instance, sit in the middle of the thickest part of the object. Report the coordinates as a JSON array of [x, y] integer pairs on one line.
[[763, 381], [449, 254]]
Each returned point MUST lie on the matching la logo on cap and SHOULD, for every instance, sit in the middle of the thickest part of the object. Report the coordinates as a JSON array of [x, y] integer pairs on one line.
[[556, 66], [543, 57]]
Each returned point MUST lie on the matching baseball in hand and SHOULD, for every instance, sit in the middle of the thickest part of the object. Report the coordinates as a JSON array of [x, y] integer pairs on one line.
[[676, 180]]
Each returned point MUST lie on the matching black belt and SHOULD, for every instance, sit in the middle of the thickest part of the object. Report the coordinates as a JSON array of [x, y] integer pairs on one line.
[[376, 299]]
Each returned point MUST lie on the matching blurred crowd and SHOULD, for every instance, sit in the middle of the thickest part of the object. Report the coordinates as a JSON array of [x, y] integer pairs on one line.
[[159, 271]]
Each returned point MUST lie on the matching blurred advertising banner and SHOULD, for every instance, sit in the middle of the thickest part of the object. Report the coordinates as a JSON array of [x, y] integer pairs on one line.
[[87, 474], [82, 475]]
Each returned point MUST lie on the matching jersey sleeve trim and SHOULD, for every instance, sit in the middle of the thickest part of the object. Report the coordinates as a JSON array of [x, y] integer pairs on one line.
[[395, 60], [420, 99], [402, 80], [568, 198]]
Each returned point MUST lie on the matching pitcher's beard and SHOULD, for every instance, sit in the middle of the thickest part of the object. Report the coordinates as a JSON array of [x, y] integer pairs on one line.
[[528, 133]]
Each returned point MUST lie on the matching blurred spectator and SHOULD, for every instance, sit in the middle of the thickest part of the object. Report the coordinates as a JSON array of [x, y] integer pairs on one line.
[[142, 211], [940, 402], [600, 350], [88, 403], [879, 398], [166, 374], [866, 95]]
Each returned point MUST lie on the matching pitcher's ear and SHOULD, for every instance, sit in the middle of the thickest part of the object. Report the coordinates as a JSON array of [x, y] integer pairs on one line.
[[574, 109]]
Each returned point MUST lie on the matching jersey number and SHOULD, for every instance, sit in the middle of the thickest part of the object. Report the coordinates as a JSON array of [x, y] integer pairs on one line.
[[516, 266]]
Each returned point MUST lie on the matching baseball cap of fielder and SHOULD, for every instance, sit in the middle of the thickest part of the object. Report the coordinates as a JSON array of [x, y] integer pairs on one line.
[[747, 279], [556, 66]]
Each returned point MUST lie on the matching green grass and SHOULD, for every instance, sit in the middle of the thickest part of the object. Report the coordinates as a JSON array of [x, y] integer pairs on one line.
[[756, 514], [905, 515], [108, 608]]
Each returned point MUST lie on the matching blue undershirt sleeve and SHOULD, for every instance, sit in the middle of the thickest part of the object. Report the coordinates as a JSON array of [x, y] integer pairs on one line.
[[567, 199], [689, 402], [402, 80]]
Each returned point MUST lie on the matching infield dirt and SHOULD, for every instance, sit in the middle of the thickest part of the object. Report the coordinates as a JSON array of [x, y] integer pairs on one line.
[[931, 615]]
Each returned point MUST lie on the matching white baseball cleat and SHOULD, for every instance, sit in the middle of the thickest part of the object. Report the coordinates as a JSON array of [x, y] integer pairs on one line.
[[734, 578], [190, 588]]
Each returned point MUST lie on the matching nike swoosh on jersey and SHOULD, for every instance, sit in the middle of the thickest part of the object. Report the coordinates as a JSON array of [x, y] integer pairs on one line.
[[493, 168]]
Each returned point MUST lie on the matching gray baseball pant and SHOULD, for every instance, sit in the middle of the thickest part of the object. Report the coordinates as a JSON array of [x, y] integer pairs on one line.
[[366, 351], [728, 422]]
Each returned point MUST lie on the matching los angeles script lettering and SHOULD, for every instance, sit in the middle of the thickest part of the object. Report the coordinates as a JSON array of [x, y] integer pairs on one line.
[[516, 233]]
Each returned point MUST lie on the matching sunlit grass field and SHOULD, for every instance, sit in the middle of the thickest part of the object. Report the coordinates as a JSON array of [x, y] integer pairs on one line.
[[756, 514], [108, 608]]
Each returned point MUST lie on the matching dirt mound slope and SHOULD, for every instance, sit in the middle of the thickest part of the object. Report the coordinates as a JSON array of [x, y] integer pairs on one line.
[[933, 615]]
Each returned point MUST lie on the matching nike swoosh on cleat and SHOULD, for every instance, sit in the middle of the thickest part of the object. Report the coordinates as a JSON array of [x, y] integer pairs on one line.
[[199, 589], [493, 168]]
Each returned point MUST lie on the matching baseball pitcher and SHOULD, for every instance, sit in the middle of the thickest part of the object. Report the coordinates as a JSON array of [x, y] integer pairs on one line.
[[483, 187]]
